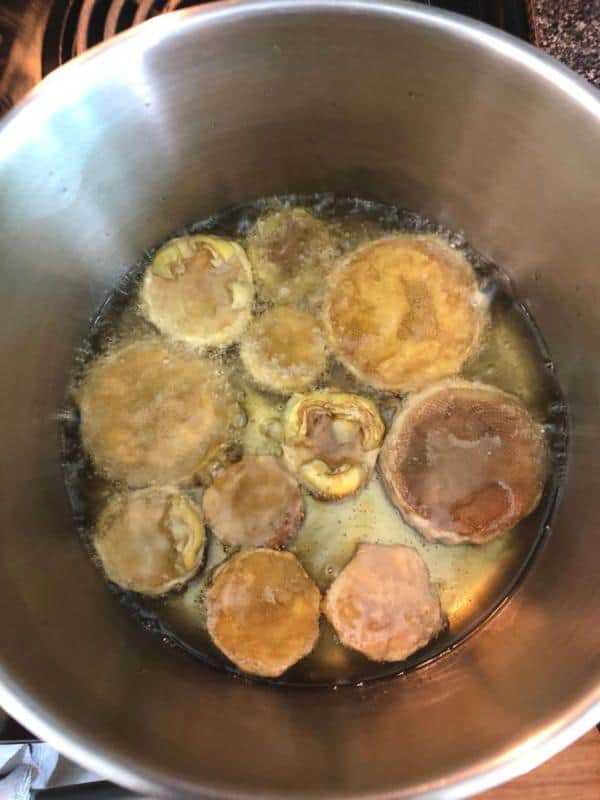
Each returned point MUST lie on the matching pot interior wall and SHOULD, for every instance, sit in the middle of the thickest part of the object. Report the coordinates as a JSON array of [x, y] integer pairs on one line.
[[200, 110]]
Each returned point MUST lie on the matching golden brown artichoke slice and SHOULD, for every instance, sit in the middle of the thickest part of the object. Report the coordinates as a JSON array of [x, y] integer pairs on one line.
[[383, 603], [263, 611], [150, 541], [154, 413], [254, 503], [331, 441], [199, 290], [404, 311], [290, 250], [464, 462], [284, 350]]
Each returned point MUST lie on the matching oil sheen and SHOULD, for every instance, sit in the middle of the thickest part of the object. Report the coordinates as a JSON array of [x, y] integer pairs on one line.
[[472, 581]]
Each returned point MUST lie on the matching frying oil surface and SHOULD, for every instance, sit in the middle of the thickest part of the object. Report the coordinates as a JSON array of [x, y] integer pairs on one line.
[[471, 580]]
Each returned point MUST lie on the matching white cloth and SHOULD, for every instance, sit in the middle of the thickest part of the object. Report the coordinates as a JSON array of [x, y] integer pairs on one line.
[[36, 766]]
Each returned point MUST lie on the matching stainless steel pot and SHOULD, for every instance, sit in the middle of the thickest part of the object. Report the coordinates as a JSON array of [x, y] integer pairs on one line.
[[188, 114]]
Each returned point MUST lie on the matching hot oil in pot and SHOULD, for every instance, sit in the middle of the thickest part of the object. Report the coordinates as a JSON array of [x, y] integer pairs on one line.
[[471, 580]]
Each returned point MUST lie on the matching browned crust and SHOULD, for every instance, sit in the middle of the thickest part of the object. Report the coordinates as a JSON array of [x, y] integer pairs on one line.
[[449, 534]]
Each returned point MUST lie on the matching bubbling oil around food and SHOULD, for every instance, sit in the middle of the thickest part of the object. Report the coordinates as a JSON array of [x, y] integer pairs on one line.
[[472, 581]]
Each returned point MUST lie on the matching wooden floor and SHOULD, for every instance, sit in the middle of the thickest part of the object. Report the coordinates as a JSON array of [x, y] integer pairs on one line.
[[573, 774]]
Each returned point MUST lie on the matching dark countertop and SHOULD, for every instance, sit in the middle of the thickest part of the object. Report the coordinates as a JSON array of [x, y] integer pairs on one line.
[[570, 31]]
